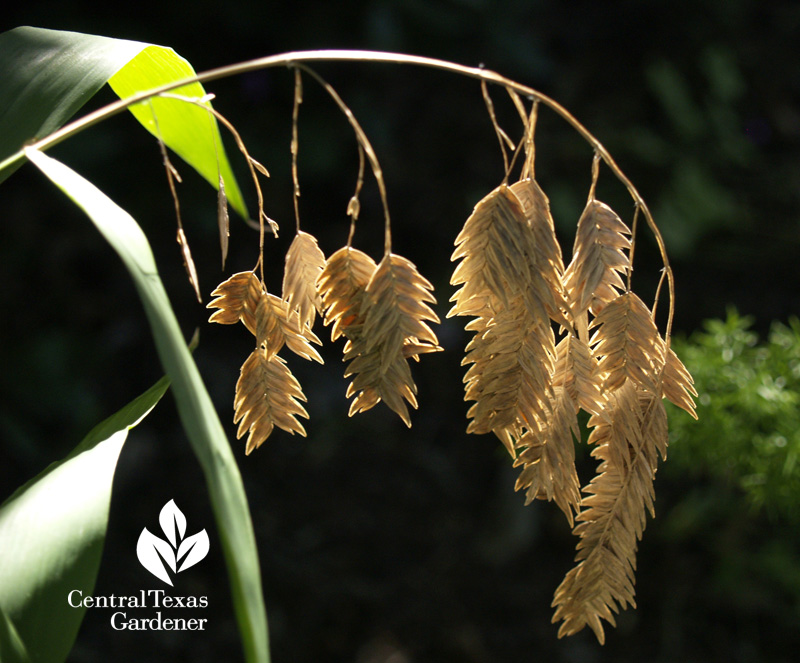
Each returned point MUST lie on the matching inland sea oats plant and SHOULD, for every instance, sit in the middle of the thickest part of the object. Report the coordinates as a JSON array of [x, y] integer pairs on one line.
[[550, 338]]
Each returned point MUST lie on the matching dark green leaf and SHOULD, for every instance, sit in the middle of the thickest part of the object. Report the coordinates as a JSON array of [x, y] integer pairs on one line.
[[46, 76], [52, 531]]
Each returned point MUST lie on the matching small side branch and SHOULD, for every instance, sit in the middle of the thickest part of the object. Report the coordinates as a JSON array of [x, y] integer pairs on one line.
[[365, 146]]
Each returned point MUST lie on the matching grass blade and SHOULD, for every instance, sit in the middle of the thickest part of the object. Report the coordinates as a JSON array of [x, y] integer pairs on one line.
[[46, 76], [197, 412], [52, 531]]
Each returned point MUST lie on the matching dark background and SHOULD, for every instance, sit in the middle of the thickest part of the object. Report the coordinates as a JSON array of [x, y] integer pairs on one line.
[[380, 544]]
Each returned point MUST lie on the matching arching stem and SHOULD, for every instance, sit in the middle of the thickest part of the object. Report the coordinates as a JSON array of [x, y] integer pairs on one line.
[[297, 57]]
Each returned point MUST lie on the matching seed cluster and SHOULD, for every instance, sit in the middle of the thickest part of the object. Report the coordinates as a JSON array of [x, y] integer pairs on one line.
[[549, 341]]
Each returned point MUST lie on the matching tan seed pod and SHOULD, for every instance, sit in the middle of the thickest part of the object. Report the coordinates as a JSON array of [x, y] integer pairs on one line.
[[677, 385], [547, 457], [510, 374], [277, 326], [237, 299], [342, 286], [223, 220], [396, 308], [304, 264], [547, 263], [599, 258], [381, 310], [494, 251], [628, 344], [577, 371], [267, 395], [372, 383], [612, 516]]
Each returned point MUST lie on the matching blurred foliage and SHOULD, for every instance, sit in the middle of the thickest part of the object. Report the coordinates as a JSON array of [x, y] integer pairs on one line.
[[726, 540], [748, 432], [704, 144]]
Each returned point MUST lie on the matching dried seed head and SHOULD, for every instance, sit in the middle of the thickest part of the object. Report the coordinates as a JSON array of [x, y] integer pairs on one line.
[[276, 325], [237, 299], [267, 395], [594, 276], [342, 286], [223, 220], [304, 264]]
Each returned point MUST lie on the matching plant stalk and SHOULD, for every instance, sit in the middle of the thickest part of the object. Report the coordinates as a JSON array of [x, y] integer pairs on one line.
[[295, 57]]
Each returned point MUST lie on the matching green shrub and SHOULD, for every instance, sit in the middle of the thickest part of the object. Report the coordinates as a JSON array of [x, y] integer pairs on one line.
[[748, 433]]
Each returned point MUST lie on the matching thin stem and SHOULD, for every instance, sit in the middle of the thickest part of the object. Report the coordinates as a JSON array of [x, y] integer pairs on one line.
[[354, 206], [292, 58], [595, 175], [523, 114], [634, 228], [528, 169], [298, 99], [658, 294], [223, 219], [363, 141], [172, 176], [208, 98], [502, 137], [517, 151], [252, 165]]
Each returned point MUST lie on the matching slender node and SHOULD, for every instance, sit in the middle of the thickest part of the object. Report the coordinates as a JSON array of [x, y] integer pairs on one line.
[[528, 170], [172, 175], [595, 175], [634, 227]]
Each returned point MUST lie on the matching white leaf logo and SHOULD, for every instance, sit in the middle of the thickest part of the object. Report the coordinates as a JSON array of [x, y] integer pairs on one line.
[[195, 548], [172, 520], [176, 554]]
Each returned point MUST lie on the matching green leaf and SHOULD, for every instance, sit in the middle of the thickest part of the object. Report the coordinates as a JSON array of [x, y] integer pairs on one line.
[[52, 531], [197, 412], [186, 128], [46, 76]]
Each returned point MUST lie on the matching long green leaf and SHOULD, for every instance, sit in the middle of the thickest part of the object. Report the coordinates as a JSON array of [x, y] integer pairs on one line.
[[52, 531], [197, 412], [186, 128], [47, 75]]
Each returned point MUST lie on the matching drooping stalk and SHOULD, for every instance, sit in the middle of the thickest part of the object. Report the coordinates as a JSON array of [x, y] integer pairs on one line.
[[296, 57]]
